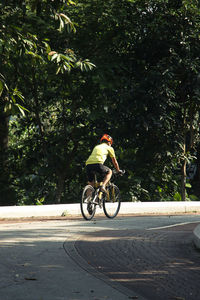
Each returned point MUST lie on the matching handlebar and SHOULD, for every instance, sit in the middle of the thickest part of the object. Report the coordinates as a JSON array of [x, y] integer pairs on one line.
[[121, 173]]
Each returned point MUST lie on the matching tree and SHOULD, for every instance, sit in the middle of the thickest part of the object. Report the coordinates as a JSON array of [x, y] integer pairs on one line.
[[147, 68], [144, 91], [35, 54]]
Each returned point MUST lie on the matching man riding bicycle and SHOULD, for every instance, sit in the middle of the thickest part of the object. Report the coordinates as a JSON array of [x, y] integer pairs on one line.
[[95, 162]]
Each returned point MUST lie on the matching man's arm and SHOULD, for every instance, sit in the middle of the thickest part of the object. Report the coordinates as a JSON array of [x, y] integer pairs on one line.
[[115, 164]]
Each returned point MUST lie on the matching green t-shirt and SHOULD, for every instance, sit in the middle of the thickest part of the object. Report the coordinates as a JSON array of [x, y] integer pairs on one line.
[[100, 153]]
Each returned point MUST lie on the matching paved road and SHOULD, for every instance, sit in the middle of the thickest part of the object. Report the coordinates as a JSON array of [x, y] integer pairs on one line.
[[126, 258], [156, 264]]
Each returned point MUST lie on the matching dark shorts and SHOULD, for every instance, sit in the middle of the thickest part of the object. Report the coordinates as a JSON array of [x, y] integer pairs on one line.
[[96, 168]]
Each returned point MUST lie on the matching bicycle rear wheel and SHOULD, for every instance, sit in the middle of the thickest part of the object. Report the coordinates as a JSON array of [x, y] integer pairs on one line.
[[88, 208], [112, 202]]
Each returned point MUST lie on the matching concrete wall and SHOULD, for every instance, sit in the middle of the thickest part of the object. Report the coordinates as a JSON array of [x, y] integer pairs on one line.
[[74, 209]]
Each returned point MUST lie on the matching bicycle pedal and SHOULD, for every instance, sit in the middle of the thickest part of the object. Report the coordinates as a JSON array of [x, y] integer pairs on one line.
[[96, 201]]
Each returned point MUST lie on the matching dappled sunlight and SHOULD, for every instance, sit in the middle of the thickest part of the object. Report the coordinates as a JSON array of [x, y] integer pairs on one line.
[[156, 271], [32, 255], [122, 250], [52, 266], [134, 280], [15, 243], [143, 260], [181, 263]]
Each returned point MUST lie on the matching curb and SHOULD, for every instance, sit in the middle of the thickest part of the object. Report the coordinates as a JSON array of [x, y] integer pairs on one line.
[[140, 208]]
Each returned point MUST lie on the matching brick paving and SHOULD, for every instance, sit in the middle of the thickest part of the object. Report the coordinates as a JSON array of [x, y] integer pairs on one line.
[[157, 264]]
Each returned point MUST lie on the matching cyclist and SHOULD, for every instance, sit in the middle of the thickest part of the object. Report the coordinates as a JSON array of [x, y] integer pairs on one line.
[[95, 162]]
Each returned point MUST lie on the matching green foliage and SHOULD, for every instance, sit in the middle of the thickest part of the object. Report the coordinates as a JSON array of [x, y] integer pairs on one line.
[[72, 70], [177, 196]]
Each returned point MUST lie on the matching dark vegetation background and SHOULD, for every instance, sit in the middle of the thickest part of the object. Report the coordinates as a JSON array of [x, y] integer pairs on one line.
[[73, 70]]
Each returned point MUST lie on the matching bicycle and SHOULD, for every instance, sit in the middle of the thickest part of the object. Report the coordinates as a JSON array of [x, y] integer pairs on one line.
[[93, 196]]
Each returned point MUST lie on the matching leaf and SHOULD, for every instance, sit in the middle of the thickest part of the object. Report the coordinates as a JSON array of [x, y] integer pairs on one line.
[[58, 70], [177, 196], [85, 65], [54, 56], [188, 185], [61, 24], [28, 42], [70, 2], [21, 110], [35, 55], [18, 94], [48, 48], [66, 18], [1, 87], [18, 105], [8, 108], [58, 58]]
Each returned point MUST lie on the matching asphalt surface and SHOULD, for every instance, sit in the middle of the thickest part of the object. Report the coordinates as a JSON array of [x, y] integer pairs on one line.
[[144, 258]]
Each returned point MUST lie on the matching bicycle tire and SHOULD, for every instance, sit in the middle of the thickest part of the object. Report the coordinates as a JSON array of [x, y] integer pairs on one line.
[[112, 202], [88, 208]]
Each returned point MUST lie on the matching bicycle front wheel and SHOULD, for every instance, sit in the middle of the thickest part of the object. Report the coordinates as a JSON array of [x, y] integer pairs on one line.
[[88, 208], [112, 202]]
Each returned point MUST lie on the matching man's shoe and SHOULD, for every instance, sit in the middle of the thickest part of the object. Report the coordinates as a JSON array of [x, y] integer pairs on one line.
[[103, 189]]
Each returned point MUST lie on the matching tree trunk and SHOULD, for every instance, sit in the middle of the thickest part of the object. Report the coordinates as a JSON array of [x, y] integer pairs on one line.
[[7, 195], [62, 173], [3, 132], [183, 175], [37, 113], [59, 188]]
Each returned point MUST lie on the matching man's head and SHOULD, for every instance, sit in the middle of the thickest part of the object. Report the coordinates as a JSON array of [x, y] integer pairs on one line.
[[106, 139]]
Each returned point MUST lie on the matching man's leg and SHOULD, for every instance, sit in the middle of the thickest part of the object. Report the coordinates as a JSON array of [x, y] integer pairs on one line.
[[91, 179], [106, 179]]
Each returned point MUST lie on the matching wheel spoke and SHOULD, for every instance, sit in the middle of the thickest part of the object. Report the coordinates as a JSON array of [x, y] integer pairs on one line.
[[88, 208], [111, 204]]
